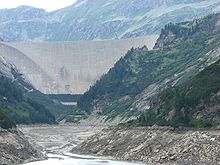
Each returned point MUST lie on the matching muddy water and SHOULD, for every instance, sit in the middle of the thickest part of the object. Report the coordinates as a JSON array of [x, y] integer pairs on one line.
[[58, 140]]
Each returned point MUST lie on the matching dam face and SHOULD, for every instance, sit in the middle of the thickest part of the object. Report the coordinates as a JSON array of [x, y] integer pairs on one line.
[[70, 67]]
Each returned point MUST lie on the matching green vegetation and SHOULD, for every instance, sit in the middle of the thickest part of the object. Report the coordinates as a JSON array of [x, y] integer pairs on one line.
[[53, 105], [19, 107], [10, 90], [5, 121], [179, 55]]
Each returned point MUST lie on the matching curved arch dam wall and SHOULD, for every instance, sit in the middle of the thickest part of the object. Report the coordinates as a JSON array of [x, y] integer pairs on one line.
[[70, 67]]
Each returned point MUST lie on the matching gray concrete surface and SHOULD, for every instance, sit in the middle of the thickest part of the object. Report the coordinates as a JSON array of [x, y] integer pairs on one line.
[[68, 67]]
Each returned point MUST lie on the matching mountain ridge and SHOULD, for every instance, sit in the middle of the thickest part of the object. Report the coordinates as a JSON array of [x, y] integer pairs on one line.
[[85, 21]]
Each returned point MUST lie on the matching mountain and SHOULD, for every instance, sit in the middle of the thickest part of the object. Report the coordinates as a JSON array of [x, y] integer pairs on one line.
[[98, 19], [181, 52]]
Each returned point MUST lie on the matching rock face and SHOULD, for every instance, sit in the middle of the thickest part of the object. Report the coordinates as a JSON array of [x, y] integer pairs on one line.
[[15, 149], [68, 67], [152, 145], [98, 19]]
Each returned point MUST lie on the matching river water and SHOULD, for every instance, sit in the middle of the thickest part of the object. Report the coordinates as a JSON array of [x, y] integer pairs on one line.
[[71, 159]]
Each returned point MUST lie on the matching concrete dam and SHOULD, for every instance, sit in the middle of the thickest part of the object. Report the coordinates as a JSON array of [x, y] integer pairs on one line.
[[68, 67]]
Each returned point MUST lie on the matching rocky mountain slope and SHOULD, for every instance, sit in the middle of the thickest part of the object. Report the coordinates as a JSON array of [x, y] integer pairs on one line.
[[181, 52], [155, 145], [98, 19], [195, 103], [15, 148]]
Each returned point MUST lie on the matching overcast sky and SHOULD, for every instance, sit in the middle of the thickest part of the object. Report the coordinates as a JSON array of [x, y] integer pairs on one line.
[[48, 5]]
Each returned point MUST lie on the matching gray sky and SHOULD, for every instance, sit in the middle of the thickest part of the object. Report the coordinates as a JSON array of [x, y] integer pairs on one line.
[[48, 5]]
